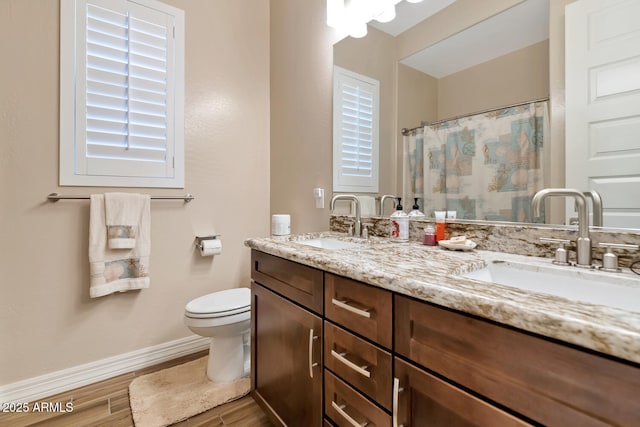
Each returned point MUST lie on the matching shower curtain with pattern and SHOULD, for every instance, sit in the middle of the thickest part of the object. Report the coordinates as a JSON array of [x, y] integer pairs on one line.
[[485, 166]]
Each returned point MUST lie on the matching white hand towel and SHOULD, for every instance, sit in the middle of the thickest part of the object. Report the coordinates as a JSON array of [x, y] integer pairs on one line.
[[118, 270], [367, 206], [122, 211]]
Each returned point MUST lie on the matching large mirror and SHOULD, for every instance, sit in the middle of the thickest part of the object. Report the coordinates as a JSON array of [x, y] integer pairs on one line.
[[453, 58]]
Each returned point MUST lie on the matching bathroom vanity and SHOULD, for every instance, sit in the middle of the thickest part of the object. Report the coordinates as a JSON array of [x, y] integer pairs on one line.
[[392, 334], [286, 339]]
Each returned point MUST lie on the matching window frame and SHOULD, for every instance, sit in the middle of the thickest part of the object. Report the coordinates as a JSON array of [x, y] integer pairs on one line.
[[343, 182], [72, 23]]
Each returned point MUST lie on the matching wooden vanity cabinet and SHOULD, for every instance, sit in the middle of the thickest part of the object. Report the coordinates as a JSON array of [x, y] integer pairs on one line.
[[377, 350], [286, 340], [543, 380]]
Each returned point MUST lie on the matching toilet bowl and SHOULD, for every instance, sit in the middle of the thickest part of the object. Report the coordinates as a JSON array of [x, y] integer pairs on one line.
[[225, 317]]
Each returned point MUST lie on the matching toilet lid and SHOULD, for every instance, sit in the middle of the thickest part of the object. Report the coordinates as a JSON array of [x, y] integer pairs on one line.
[[230, 301]]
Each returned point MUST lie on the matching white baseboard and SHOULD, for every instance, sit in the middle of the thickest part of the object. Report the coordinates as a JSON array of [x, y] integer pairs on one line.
[[53, 383]]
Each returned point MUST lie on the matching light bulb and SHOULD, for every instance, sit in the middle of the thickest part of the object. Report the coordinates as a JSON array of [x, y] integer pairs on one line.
[[358, 30], [335, 11], [387, 15]]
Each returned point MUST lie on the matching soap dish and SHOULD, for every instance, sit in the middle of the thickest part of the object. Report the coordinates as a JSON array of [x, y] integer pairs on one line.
[[466, 246]]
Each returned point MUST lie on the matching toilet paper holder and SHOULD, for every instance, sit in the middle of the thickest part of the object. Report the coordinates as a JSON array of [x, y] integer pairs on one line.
[[199, 239]]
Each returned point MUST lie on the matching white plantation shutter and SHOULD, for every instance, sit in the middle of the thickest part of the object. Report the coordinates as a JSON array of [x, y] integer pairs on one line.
[[128, 95], [355, 132]]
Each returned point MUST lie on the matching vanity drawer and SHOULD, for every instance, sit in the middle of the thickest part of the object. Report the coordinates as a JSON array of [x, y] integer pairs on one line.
[[551, 383], [360, 363], [346, 407], [361, 308], [299, 283]]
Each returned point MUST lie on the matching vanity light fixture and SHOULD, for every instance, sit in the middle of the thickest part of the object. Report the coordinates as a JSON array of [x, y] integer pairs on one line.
[[351, 16]]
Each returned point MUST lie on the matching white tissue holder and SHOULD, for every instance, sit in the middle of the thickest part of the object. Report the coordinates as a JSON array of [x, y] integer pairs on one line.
[[200, 239]]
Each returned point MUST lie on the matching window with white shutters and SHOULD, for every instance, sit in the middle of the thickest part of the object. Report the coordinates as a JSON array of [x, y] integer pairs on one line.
[[121, 94], [356, 100]]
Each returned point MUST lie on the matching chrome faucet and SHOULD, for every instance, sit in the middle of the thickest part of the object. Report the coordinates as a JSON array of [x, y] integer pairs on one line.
[[357, 227], [385, 197], [596, 202], [583, 243]]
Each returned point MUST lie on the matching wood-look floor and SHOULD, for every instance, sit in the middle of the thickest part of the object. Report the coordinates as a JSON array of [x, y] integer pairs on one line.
[[107, 404]]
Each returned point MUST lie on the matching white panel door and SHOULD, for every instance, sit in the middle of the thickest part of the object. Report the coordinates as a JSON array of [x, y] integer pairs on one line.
[[603, 105]]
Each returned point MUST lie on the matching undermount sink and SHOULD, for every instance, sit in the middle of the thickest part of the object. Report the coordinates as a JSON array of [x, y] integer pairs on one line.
[[573, 283], [330, 243]]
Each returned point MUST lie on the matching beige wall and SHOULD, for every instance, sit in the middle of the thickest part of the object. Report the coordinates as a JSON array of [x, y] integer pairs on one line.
[[417, 97], [47, 320], [301, 111], [519, 76]]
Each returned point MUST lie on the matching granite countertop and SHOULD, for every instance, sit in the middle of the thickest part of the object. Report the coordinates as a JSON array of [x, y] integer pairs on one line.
[[432, 274]]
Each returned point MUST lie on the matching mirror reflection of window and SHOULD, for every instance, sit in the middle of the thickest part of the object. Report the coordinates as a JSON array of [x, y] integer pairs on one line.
[[356, 100]]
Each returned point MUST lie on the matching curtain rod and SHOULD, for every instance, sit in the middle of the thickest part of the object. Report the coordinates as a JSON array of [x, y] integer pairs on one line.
[[406, 131], [54, 197]]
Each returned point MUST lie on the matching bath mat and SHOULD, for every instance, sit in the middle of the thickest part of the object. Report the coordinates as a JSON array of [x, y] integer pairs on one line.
[[177, 393]]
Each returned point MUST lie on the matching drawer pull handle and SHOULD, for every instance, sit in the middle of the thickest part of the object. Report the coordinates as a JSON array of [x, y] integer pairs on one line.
[[396, 390], [358, 311], [311, 364], [341, 411], [350, 364]]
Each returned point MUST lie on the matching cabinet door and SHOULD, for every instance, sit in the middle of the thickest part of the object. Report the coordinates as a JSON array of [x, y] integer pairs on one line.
[[286, 359], [423, 399], [551, 383]]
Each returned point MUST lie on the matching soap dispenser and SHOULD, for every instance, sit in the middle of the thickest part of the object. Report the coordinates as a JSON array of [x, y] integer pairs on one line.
[[399, 224], [415, 212]]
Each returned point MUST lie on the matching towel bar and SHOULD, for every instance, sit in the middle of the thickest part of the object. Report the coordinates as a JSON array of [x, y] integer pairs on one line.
[[54, 197]]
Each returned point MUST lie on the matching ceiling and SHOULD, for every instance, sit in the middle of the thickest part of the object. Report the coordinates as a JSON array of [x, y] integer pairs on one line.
[[410, 14], [522, 25]]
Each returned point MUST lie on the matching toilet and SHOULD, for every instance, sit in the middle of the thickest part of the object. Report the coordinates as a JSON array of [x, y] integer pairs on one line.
[[225, 317]]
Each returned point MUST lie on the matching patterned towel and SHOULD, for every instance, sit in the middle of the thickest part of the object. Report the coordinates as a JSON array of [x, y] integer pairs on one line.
[[122, 215], [118, 270]]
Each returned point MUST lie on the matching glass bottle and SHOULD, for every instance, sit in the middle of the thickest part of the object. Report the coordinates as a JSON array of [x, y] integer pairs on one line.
[[429, 237]]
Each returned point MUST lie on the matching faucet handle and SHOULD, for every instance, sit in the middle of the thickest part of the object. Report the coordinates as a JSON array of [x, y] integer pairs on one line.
[[365, 230], [609, 259], [561, 252]]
